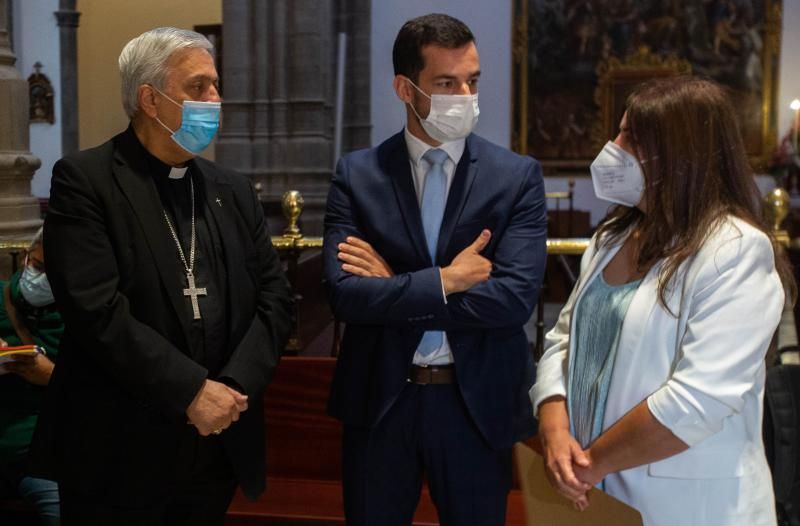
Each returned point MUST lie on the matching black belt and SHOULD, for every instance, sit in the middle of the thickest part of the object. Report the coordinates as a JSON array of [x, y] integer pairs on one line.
[[432, 374]]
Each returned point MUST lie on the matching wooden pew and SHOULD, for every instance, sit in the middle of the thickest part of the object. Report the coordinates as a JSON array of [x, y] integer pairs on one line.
[[304, 456]]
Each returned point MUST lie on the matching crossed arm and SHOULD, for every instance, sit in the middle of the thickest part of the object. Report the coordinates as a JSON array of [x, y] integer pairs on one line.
[[481, 294], [468, 268]]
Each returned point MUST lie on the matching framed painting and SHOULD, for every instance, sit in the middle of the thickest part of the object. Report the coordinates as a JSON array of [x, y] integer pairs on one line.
[[576, 61]]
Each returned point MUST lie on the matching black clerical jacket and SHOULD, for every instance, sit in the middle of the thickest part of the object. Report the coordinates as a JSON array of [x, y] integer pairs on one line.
[[116, 409]]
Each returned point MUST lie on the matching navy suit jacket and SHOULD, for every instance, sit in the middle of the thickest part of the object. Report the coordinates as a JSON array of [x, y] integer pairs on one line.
[[372, 197]]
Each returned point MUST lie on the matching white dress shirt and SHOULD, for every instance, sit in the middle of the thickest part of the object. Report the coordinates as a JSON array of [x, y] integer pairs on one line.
[[419, 169]]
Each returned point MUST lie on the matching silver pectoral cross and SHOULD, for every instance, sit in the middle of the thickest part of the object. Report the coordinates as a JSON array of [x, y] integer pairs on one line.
[[194, 292]]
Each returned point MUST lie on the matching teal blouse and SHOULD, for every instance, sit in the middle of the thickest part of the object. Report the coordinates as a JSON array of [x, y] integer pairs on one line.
[[598, 321]]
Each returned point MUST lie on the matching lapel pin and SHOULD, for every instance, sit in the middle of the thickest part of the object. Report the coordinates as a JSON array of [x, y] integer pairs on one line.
[[219, 202]]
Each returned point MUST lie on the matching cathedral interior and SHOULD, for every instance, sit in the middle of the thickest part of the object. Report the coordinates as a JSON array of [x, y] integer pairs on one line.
[[306, 81]]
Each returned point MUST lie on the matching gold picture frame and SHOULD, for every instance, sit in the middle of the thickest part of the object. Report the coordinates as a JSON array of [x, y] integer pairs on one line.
[[616, 79], [574, 61]]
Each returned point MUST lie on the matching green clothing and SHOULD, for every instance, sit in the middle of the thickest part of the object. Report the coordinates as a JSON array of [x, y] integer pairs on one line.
[[19, 399]]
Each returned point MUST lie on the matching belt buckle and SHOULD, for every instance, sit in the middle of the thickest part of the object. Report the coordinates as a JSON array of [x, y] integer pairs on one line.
[[420, 375]]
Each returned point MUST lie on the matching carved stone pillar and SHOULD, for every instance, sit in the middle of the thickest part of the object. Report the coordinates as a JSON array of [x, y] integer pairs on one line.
[[19, 210], [278, 72], [67, 18], [354, 19]]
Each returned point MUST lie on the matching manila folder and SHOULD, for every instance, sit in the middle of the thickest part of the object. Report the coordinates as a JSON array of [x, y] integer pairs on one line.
[[545, 507]]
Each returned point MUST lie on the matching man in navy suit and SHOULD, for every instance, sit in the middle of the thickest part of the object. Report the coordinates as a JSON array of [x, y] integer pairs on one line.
[[434, 255]]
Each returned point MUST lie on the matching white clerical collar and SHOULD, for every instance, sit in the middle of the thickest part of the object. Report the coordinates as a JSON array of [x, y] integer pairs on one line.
[[177, 173]]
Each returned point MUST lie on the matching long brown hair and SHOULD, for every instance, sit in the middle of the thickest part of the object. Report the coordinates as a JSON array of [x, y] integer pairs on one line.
[[696, 174]]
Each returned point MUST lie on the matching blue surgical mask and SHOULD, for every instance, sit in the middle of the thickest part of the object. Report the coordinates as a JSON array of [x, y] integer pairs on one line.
[[199, 124], [35, 288]]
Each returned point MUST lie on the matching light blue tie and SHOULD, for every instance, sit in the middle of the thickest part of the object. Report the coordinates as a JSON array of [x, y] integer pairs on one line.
[[434, 197]]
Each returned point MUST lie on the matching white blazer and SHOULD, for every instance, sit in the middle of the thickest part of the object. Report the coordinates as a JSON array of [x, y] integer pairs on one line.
[[702, 374]]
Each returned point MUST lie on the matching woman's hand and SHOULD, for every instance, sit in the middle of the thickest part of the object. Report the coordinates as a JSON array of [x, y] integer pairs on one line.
[[35, 369], [593, 472], [562, 453]]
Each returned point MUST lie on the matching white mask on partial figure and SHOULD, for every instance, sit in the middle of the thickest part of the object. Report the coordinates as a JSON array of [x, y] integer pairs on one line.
[[452, 117], [617, 176]]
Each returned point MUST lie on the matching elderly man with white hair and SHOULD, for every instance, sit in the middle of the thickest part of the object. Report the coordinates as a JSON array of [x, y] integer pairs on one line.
[[175, 305]]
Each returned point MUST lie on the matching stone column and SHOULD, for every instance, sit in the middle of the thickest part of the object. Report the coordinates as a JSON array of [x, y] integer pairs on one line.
[[19, 210], [309, 106], [276, 104], [67, 18], [278, 77], [354, 19]]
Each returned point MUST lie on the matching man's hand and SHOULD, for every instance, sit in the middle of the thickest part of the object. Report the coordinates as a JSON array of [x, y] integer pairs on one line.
[[215, 407], [468, 268], [362, 260], [36, 368]]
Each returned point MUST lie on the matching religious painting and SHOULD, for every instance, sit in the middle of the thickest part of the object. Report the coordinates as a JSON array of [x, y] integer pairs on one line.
[[576, 61]]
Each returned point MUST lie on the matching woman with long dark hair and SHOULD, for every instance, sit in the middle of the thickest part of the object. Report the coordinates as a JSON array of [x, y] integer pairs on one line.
[[653, 378]]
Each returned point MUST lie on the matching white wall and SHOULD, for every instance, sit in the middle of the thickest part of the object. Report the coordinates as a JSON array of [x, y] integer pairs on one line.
[[36, 40], [490, 22]]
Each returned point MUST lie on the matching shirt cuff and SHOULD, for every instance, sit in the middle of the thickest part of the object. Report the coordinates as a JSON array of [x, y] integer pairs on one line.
[[541, 391], [441, 283]]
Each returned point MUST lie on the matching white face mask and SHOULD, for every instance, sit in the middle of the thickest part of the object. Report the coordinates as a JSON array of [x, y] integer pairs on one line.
[[452, 117], [617, 176]]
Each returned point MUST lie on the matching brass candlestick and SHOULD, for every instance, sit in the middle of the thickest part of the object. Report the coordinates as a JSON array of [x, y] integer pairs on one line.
[[292, 205], [776, 208]]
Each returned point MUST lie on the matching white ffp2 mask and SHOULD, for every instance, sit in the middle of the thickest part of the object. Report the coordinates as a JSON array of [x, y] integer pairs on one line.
[[617, 176]]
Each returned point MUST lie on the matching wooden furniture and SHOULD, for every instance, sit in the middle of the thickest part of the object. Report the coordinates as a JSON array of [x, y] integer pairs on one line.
[[304, 460]]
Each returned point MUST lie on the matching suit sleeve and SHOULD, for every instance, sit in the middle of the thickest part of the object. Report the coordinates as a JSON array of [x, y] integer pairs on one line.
[[255, 357], [508, 297], [397, 300], [732, 317], [84, 277]]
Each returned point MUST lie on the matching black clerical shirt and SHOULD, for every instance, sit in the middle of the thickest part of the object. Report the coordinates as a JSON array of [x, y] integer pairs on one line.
[[209, 334]]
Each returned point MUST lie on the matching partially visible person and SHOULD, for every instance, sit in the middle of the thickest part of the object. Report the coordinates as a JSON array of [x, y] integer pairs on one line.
[[652, 383], [28, 316]]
